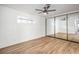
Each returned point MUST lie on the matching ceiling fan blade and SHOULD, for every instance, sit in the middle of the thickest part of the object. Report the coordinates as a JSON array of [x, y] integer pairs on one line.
[[39, 12], [38, 9], [51, 10], [48, 6]]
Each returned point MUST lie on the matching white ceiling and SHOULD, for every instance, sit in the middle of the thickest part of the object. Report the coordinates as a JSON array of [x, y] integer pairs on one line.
[[30, 8]]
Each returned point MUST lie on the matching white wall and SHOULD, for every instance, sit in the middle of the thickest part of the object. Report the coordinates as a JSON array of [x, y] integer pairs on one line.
[[12, 32]]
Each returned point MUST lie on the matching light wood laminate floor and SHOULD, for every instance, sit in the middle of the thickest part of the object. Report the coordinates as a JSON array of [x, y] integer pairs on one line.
[[72, 37], [45, 45]]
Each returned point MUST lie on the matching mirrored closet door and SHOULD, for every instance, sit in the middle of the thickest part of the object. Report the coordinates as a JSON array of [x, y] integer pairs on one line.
[[64, 27], [50, 27], [73, 27], [60, 27]]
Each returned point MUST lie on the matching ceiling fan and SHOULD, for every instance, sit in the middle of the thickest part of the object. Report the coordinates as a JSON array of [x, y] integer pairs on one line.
[[45, 9]]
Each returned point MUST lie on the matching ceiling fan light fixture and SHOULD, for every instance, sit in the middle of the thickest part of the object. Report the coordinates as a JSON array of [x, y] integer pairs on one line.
[[45, 13]]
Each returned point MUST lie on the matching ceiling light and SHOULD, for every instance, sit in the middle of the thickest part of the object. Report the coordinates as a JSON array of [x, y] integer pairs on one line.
[[45, 13]]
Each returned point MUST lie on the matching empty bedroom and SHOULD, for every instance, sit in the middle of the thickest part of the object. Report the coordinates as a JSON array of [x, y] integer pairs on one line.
[[39, 28]]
